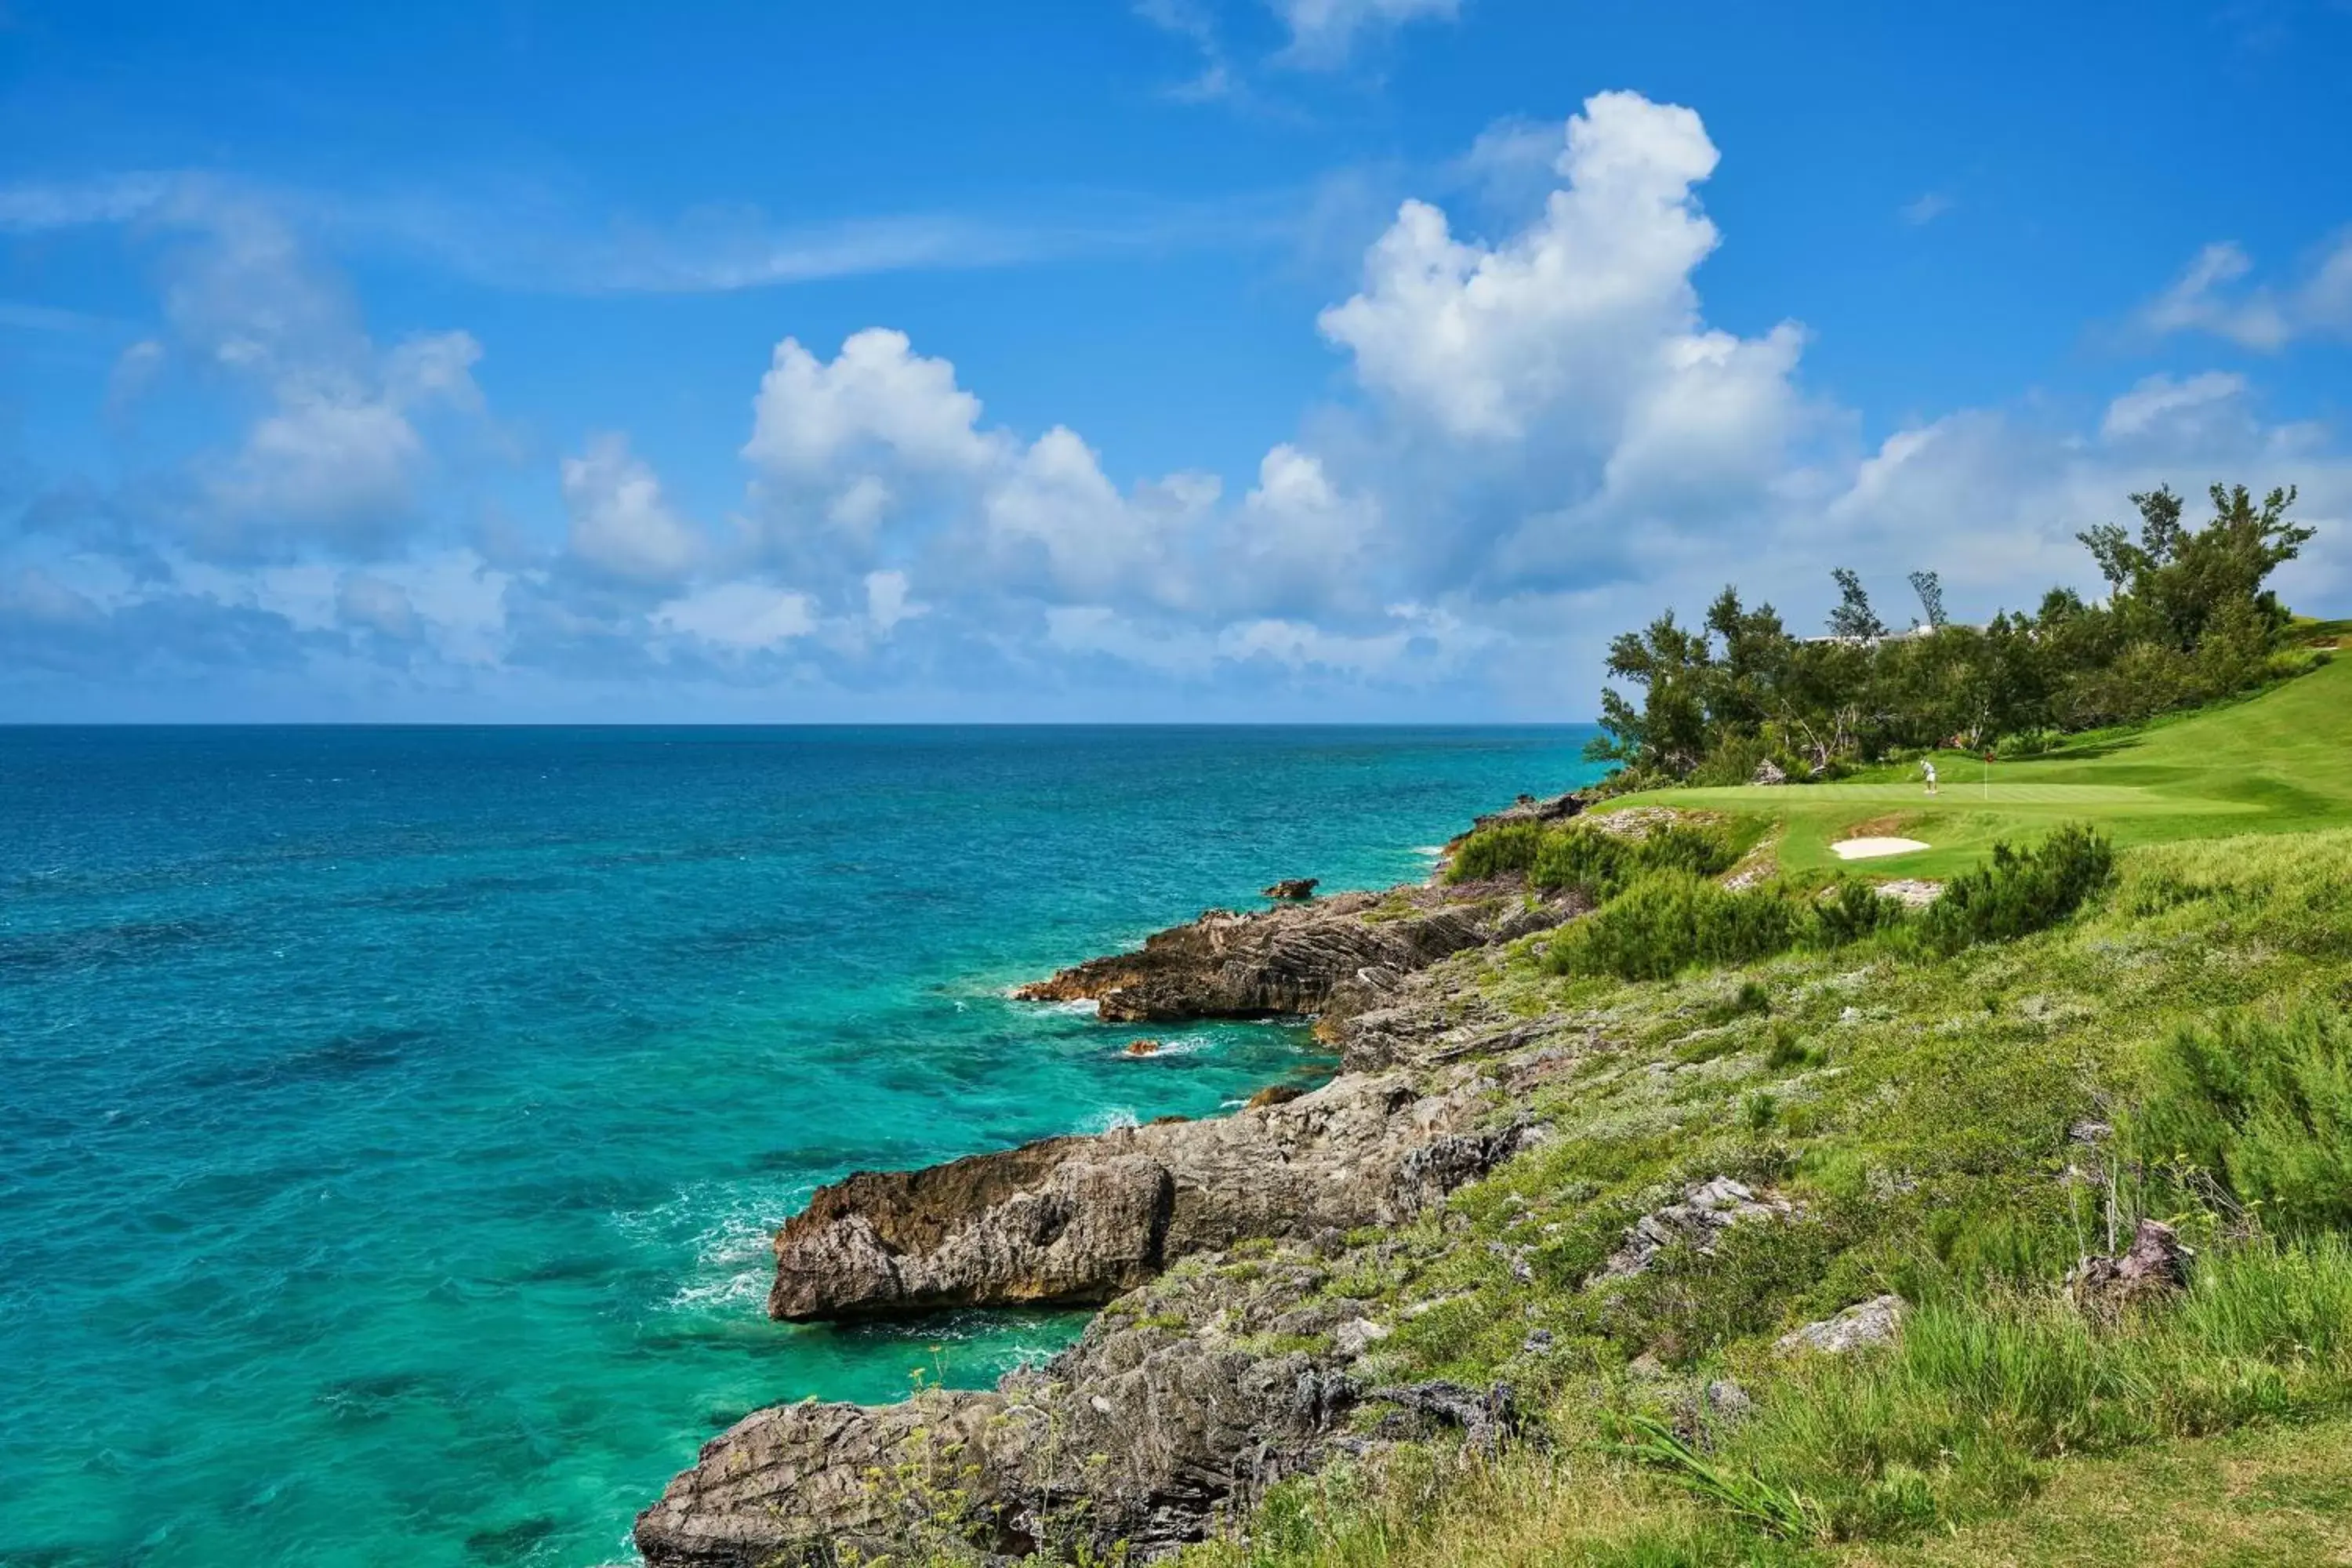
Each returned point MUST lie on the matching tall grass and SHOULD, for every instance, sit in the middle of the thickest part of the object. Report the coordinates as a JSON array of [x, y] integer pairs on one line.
[[2262, 1107], [1977, 1392]]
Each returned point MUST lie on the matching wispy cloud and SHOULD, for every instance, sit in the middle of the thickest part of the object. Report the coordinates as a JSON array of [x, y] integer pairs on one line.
[[1926, 209], [535, 240], [2206, 298]]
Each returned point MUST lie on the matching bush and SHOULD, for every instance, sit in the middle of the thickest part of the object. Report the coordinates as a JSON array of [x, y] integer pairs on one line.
[[1852, 912], [1496, 852], [1668, 920], [2020, 892], [1583, 861], [1602, 865], [2262, 1107]]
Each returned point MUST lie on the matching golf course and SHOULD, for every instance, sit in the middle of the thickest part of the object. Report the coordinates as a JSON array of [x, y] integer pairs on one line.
[[2277, 762]]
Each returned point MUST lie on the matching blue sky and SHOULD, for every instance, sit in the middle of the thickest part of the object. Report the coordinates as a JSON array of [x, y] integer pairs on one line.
[[1272, 359]]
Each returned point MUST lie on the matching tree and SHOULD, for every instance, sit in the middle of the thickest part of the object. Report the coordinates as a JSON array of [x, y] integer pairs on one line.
[[1930, 589], [1756, 649], [1853, 618], [1671, 663], [2170, 583]]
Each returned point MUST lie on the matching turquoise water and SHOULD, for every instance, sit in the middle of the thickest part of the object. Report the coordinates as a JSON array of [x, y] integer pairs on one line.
[[394, 1119]]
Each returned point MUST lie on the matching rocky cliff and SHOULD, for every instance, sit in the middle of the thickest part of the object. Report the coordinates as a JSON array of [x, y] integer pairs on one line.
[[1196, 1386], [1073, 1220], [1296, 959]]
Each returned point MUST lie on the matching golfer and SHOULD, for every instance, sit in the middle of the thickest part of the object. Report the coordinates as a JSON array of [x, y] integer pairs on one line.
[[1928, 767]]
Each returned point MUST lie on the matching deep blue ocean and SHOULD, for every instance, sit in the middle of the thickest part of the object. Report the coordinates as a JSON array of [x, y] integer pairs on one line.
[[393, 1121]]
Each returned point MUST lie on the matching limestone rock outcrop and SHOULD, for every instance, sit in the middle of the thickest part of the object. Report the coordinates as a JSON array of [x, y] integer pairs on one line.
[[1078, 1220], [1291, 959]]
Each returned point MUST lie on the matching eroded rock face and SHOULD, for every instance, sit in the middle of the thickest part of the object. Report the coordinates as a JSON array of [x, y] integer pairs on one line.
[[1140, 1434], [1074, 1220], [1704, 1213], [1290, 958], [1171, 1415]]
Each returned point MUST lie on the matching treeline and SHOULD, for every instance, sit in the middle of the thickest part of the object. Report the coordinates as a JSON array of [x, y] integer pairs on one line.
[[2188, 618]]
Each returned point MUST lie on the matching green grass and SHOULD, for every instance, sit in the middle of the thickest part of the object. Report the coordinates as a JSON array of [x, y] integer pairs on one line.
[[2280, 761], [1917, 1109], [2246, 1501]]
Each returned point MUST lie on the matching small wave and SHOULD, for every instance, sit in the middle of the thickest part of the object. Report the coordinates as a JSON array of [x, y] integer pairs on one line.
[[1432, 850], [1083, 1008], [1105, 1121], [729, 1231]]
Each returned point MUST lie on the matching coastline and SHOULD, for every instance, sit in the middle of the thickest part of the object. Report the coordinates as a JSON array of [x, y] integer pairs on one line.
[[1197, 1383]]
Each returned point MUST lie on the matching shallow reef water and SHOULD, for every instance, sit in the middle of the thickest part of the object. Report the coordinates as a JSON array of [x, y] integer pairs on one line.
[[395, 1119]]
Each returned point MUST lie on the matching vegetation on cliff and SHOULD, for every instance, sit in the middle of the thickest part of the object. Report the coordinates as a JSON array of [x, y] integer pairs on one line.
[[1957, 1129], [1951, 1110]]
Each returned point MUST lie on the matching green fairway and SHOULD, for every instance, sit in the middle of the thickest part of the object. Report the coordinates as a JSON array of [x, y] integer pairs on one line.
[[2280, 761]]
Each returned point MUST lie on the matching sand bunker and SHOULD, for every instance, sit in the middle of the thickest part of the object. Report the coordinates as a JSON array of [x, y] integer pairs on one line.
[[1872, 849]]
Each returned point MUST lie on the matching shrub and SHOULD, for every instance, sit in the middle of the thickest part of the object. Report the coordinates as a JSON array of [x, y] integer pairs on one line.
[[1583, 861], [2019, 891], [1854, 910], [1496, 852], [1668, 920], [1602, 865], [2262, 1106], [1702, 850]]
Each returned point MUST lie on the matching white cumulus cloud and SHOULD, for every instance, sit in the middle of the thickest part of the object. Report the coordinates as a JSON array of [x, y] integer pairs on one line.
[[621, 525]]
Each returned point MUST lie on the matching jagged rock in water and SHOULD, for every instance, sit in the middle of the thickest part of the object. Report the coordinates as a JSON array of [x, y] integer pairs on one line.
[[1170, 1417], [1872, 1323], [1704, 1213], [1134, 1437], [2155, 1266], [1288, 959], [1074, 1220], [1296, 889]]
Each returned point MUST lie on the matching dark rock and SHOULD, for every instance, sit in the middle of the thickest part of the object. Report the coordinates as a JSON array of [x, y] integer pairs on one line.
[[1287, 960], [1297, 890], [1485, 1418], [1147, 1443], [1726, 1400], [1275, 1094], [2154, 1268], [1078, 1220]]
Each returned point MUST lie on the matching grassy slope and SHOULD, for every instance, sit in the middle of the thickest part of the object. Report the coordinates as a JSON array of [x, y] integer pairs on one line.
[[2277, 763], [1918, 1111]]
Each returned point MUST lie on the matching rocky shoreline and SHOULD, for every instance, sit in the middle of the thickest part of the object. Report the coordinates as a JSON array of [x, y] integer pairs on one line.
[[1195, 1386]]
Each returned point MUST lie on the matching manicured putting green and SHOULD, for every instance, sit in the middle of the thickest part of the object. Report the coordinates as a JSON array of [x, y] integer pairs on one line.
[[2278, 763]]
